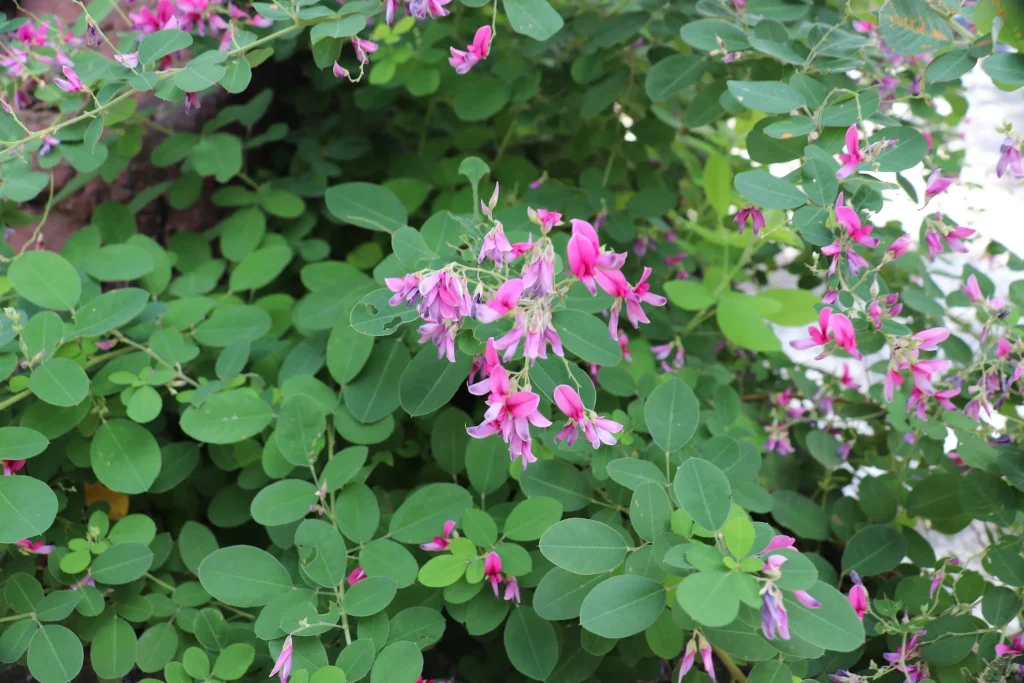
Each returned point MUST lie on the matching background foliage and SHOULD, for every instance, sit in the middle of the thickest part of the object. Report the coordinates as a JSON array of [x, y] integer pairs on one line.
[[235, 447]]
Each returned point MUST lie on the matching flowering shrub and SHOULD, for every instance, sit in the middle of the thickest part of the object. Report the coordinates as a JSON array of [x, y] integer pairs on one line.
[[479, 377]]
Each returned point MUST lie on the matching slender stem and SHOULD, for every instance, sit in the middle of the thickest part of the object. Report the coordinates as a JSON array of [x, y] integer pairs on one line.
[[730, 666], [14, 399], [340, 590], [162, 584], [16, 617], [42, 221], [233, 610], [153, 354]]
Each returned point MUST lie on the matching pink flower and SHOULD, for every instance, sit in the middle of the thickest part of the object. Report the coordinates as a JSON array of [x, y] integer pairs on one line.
[[597, 430], [875, 313], [72, 84], [899, 247], [129, 60], [589, 264], [433, 8], [831, 296], [539, 271], [511, 415], [441, 335], [496, 246], [931, 338], [806, 599], [36, 547], [778, 542], [12, 466], [544, 218], [847, 378], [283, 663], [146, 21], [33, 36], [1003, 348], [858, 596], [837, 328], [1015, 649], [854, 155], [389, 11], [341, 72], [492, 570], [936, 184], [973, 290], [512, 589], [954, 237], [956, 459], [364, 48], [861, 26], [849, 219], [191, 101], [487, 366], [640, 293], [934, 242], [440, 542], [504, 301], [84, 581], [936, 582], [478, 50], [445, 297], [355, 576], [1009, 158], [689, 655], [406, 289], [754, 215], [705, 655], [774, 619]]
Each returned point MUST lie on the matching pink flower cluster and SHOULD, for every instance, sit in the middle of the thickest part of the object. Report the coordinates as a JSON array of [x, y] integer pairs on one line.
[[442, 300], [831, 328], [905, 356]]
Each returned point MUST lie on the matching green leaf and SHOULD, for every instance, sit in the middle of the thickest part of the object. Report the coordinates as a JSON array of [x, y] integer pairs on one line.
[[587, 336], [283, 502], [768, 192], [797, 306], [689, 295], [710, 598], [718, 186], [671, 75], [110, 311], [833, 626], [583, 546], [800, 514], [347, 352], [345, 27], [195, 543], [949, 66], [121, 564], [400, 662], [233, 661], [441, 571], [57, 606], [21, 443], [740, 321], [486, 464], [15, 640], [422, 515], [157, 647], [227, 417], [113, 649], [411, 249], [672, 414], [125, 456], [60, 382], [773, 97], [46, 279], [358, 512], [218, 155], [237, 76], [356, 659], [533, 18], [421, 625], [199, 74], [369, 596], [429, 383], [300, 431], [55, 654], [366, 205], [375, 393], [343, 467], [374, 316], [162, 43], [531, 644], [910, 27], [230, 324], [260, 268], [244, 576], [874, 550], [650, 510], [322, 552], [530, 518], [27, 508], [1005, 67], [24, 187], [558, 480], [633, 472], [703, 34], [560, 594], [703, 491], [384, 557], [770, 672], [622, 606]]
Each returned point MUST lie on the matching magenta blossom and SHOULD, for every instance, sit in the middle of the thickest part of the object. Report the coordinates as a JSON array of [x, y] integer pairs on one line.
[[898, 248], [544, 218], [774, 618], [191, 102], [596, 430], [339, 71], [389, 11], [848, 218], [1014, 649], [973, 290], [634, 296], [492, 570], [510, 414], [70, 82], [689, 655], [936, 582], [806, 599], [512, 589], [464, 60], [355, 576], [588, 262], [1009, 159], [779, 542], [854, 154], [1003, 348], [283, 663], [35, 547], [937, 184], [505, 300], [129, 60], [539, 271], [440, 542], [33, 36], [837, 328], [861, 26], [705, 656], [858, 596], [954, 237], [364, 48], [12, 466], [496, 246], [847, 379], [421, 9], [147, 22], [755, 217]]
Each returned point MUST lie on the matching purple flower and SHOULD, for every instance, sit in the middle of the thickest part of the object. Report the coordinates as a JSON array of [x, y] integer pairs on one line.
[[774, 619], [853, 157], [492, 570], [1009, 159], [754, 215], [689, 654], [937, 184], [283, 663], [512, 589]]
